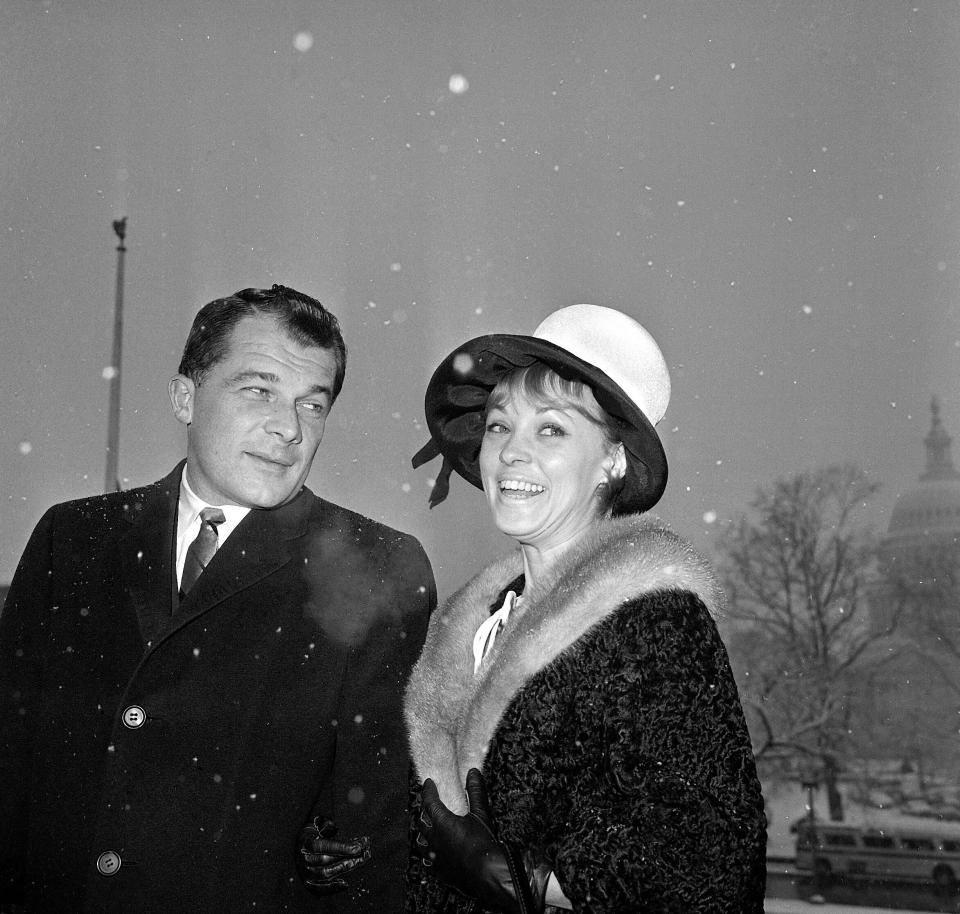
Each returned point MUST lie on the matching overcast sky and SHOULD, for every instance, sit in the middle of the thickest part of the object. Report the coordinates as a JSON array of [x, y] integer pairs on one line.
[[772, 188]]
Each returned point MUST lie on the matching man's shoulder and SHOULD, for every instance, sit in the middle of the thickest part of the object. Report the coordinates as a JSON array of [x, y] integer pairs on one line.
[[348, 523], [112, 505], [373, 558]]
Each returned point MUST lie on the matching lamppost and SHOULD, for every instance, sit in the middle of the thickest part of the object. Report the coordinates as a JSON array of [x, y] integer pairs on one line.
[[809, 781], [112, 479]]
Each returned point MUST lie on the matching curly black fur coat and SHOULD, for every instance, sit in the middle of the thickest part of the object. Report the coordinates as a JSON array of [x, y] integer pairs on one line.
[[607, 724]]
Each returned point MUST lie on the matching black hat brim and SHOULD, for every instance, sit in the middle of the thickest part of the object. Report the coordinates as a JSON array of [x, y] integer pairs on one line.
[[457, 394]]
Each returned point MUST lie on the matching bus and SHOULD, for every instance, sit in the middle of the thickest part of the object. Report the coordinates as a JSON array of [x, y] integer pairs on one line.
[[921, 853]]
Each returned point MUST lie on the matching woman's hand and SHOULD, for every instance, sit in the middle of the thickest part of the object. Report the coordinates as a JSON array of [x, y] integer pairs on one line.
[[464, 852]]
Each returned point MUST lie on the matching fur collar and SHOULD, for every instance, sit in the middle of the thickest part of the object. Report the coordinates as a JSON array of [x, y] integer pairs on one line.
[[452, 715]]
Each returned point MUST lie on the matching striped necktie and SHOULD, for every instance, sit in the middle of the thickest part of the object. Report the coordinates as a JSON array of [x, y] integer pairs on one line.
[[201, 549]]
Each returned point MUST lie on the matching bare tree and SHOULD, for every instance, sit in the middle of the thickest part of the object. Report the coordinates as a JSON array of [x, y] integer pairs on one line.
[[797, 572]]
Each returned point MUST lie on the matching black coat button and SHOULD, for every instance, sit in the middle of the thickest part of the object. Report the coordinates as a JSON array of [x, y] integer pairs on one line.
[[108, 863], [134, 717]]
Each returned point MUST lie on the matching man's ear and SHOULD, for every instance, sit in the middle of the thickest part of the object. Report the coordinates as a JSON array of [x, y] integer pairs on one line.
[[181, 390]]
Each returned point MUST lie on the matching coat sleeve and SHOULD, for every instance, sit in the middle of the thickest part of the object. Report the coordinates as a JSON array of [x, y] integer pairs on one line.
[[21, 622], [371, 769], [670, 816]]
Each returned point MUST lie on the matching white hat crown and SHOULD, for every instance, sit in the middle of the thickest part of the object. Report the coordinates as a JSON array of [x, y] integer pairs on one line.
[[619, 346]]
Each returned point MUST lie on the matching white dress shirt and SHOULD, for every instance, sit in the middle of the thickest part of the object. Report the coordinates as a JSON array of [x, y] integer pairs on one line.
[[188, 521]]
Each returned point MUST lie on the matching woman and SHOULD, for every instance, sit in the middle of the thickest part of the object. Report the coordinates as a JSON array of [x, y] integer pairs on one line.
[[572, 717]]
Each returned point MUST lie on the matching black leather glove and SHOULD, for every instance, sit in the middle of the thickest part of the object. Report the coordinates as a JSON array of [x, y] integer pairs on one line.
[[464, 852], [323, 862]]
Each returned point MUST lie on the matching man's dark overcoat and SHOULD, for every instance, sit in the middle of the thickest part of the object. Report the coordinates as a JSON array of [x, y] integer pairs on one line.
[[607, 723], [193, 742]]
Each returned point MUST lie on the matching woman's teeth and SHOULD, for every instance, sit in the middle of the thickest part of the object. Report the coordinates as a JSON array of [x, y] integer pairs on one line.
[[515, 485]]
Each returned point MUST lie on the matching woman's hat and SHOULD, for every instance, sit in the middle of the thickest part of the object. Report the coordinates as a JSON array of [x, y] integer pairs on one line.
[[609, 351]]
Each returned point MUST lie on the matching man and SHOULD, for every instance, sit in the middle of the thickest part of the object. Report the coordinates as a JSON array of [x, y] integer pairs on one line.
[[164, 736]]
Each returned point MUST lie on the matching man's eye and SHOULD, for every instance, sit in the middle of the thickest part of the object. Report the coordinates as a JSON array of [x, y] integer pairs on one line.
[[256, 391], [316, 408]]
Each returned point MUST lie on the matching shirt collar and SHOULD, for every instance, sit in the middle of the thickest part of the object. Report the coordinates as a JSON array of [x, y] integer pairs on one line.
[[191, 505]]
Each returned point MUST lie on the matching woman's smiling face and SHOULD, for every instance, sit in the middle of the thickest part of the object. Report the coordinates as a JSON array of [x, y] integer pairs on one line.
[[541, 462]]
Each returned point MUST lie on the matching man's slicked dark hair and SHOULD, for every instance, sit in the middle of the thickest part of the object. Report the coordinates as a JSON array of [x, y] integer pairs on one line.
[[302, 318]]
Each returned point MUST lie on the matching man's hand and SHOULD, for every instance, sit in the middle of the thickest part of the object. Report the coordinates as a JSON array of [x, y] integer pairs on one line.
[[323, 861]]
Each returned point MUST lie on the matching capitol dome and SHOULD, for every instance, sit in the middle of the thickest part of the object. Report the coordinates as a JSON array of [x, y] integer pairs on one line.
[[914, 610], [929, 511]]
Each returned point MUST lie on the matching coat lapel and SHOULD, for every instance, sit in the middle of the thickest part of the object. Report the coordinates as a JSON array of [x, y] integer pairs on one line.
[[146, 554], [263, 542]]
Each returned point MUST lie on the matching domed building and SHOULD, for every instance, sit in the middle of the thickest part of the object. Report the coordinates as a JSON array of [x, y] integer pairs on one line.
[[916, 692], [920, 553], [930, 512]]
